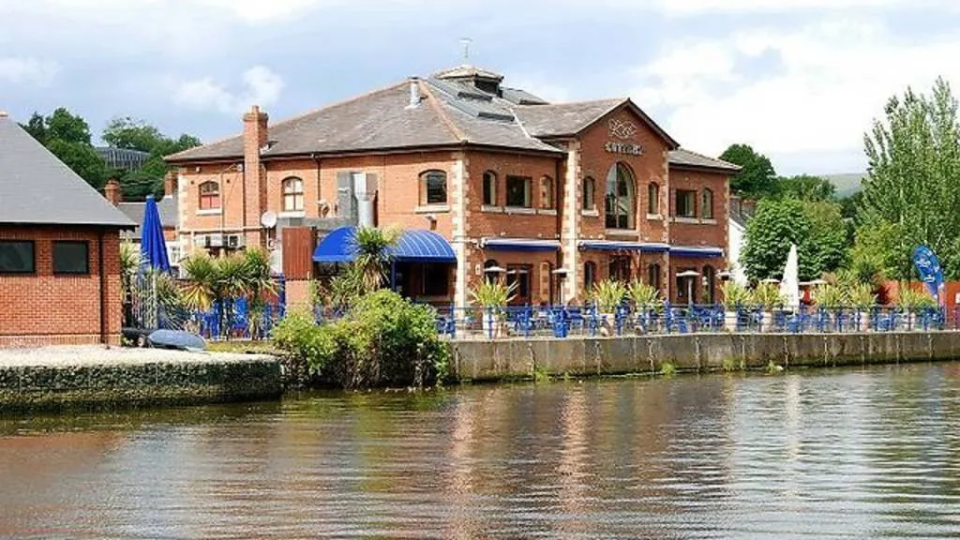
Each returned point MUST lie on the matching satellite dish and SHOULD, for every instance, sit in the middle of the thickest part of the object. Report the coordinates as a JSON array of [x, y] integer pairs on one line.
[[268, 219]]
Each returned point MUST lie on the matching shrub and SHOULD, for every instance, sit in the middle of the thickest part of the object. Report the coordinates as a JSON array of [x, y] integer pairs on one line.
[[830, 296], [383, 340], [493, 295], [767, 295], [734, 295], [644, 296], [911, 299], [609, 294], [861, 296]]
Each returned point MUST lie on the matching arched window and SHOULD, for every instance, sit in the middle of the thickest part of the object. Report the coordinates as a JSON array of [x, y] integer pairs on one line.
[[492, 271], [209, 196], [709, 285], [653, 276], [292, 194], [433, 187], [490, 188], [620, 201], [589, 276], [653, 199], [546, 193], [589, 194], [706, 204]]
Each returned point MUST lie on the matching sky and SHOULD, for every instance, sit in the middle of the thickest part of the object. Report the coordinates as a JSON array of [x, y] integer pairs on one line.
[[799, 80]]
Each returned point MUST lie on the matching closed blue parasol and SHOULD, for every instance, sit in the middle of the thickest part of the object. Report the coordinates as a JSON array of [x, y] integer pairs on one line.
[[153, 248]]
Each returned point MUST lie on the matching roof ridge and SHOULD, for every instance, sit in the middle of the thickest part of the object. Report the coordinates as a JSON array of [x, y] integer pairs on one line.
[[618, 100], [687, 150], [438, 109], [296, 117]]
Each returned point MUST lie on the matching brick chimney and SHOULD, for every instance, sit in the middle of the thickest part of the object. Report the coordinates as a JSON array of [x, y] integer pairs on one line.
[[170, 184], [113, 192], [255, 138]]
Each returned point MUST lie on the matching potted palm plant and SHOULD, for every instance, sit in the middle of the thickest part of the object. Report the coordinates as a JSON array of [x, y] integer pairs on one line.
[[735, 296], [912, 302], [767, 296], [493, 297], [861, 296], [608, 295], [645, 298]]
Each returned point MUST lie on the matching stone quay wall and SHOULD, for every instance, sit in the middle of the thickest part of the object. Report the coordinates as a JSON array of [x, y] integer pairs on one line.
[[497, 360], [161, 382]]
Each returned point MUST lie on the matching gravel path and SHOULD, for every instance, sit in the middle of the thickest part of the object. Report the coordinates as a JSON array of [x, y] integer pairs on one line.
[[98, 355]]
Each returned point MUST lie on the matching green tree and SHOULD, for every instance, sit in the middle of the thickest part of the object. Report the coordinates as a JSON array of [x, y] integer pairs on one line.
[[83, 159], [807, 188], [913, 178], [133, 134], [36, 127], [373, 254], [67, 127], [815, 227], [758, 178]]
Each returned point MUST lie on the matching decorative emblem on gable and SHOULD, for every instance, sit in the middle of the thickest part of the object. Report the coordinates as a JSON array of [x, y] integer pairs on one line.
[[622, 129]]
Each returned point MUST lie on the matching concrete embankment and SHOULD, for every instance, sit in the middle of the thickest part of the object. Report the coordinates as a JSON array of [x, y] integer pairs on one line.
[[58, 377], [484, 360]]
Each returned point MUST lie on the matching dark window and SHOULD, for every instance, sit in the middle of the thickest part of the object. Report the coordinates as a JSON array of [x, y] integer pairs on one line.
[[518, 192], [589, 194], [706, 204], [436, 280], [491, 271], [434, 187], [71, 258], [209, 196], [653, 276], [620, 198], [653, 199], [686, 203], [709, 285], [489, 188], [17, 257], [589, 275], [686, 286], [519, 276], [620, 269]]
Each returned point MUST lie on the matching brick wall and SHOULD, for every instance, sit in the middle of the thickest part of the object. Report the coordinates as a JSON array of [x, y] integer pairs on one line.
[[699, 231], [48, 309]]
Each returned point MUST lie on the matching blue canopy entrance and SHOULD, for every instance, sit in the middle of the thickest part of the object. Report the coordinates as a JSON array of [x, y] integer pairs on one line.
[[415, 245]]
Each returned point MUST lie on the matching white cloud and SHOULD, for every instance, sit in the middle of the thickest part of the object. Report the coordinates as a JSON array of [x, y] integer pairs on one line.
[[28, 71], [261, 86], [696, 7], [830, 80]]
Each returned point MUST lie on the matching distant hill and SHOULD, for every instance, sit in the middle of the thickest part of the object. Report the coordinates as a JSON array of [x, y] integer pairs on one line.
[[846, 184]]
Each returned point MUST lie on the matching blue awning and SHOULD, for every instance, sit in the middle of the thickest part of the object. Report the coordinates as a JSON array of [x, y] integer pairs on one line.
[[696, 252], [519, 244], [415, 245], [612, 245]]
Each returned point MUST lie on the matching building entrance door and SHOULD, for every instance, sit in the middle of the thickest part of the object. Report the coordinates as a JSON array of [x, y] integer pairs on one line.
[[519, 275]]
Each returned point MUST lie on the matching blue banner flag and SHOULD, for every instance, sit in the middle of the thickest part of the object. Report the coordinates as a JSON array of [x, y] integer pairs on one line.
[[928, 266]]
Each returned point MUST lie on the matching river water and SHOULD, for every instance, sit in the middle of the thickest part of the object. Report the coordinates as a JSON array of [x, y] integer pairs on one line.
[[844, 454]]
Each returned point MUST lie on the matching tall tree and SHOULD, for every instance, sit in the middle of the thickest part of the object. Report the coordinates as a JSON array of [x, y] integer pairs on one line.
[[913, 178], [807, 188], [757, 179], [815, 227], [133, 134], [67, 136], [36, 127]]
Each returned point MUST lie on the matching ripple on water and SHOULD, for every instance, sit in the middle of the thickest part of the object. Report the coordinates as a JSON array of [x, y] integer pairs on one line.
[[850, 454]]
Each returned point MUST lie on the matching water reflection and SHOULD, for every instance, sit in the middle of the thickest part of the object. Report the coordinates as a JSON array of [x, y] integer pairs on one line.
[[846, 454]]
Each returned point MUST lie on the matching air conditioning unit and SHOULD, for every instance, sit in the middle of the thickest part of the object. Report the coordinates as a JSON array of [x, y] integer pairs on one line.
[[234, 241]]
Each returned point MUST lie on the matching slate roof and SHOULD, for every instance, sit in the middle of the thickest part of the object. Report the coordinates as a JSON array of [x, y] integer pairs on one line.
[[37, 188], [686, 158], [167, 206], [452, 113]]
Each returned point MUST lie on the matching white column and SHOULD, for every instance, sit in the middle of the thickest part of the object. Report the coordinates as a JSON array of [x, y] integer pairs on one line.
[[570, 230], [458, 218]]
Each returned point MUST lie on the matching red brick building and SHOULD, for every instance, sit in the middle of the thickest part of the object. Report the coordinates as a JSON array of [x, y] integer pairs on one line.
[[559, 196], [135, 210], [59, 250]]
